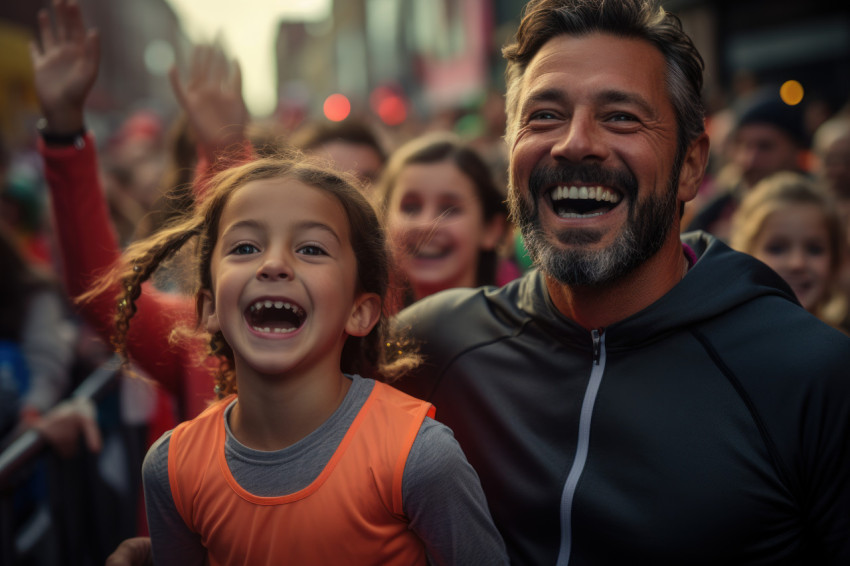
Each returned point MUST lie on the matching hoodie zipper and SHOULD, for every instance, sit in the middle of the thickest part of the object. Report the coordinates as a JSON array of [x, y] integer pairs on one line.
[[582, 446]]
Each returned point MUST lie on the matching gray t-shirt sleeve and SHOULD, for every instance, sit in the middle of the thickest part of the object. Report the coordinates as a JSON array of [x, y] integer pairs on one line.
[[172, 540], [442, 497]]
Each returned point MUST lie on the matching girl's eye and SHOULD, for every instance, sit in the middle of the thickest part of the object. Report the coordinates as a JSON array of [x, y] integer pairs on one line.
[[245, 249], [450, 211], [409, 207], [776, 249], [311, 250], [816, 249]]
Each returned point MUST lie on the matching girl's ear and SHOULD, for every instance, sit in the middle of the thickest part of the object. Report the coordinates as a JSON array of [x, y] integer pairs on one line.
[[208, 316], [364, 314], [493, 232]]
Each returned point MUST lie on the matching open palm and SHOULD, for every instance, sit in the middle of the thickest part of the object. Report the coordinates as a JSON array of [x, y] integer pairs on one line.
[[65, 65]]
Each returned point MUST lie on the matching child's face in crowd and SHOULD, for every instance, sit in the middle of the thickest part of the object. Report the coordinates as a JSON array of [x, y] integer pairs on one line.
[[435, 222], [284, 280], [359, 159], [794, 242]]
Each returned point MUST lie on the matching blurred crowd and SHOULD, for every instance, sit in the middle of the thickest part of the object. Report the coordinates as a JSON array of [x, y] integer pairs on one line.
[[777, 187]]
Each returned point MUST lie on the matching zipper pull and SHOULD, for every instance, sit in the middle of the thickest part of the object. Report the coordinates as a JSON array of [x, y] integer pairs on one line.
[[596, 335]]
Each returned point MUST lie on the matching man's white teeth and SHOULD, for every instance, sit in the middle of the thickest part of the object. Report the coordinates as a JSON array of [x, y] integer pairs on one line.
[[576, 215], [585, 193]]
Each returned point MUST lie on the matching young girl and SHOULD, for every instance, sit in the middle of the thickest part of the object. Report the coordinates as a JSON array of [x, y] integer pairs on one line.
[[793, 226], [301, 461], [445, 217]]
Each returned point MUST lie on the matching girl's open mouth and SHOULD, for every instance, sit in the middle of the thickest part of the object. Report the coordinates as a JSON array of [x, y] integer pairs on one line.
[[275, 316]]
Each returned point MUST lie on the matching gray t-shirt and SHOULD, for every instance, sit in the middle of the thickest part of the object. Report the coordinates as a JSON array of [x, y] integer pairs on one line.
[[441, 493]]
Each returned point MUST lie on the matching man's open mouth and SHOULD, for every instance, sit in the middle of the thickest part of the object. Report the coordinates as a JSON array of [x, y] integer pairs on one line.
[[275, 316], [582, 201]]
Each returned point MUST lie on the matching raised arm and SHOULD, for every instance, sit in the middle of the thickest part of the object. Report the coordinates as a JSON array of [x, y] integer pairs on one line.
[[66, 64], [211, 97]]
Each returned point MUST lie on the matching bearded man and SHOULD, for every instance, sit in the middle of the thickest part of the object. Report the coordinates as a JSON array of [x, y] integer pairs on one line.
[[639, 398]]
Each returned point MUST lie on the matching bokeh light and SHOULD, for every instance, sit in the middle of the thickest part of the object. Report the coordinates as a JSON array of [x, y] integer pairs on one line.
[[389, 105], [791, 93], [337, 107]]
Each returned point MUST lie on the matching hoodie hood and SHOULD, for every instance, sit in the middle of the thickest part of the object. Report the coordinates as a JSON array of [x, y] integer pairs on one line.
[[721, 280]]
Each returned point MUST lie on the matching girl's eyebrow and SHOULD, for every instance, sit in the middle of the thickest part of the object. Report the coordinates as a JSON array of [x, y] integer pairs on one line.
[[314, 224], [247, 223], [251, 224]]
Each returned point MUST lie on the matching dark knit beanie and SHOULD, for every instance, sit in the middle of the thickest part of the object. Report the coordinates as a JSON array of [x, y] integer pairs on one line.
[[768, 108]]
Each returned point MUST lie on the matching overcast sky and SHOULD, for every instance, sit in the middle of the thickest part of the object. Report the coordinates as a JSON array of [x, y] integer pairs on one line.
[[248, 28]]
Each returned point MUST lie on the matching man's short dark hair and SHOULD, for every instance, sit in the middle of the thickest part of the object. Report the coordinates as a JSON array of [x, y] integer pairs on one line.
[[641, 19]]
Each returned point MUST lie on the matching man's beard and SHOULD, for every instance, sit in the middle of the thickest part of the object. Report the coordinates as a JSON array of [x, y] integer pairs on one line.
[[648, 224]]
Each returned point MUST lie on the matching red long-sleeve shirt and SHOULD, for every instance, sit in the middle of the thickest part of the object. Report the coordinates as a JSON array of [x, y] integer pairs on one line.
[[89, 247]]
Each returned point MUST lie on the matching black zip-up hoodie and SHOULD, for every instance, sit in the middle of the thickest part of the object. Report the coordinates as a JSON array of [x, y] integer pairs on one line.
[[712, 427]]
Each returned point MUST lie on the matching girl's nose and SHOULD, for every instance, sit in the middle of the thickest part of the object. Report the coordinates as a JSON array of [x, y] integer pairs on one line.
[[275, 268], [797, 259]]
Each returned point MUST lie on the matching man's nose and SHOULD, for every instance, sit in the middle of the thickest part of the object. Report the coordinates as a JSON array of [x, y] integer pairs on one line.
[[582, 139]]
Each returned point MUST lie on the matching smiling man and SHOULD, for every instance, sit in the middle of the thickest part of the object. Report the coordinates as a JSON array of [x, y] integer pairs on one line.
[[639, 398]]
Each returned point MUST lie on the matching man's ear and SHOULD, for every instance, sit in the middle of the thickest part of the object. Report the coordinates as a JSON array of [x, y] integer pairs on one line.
[[364, 314], [693, 168], [208, 316]]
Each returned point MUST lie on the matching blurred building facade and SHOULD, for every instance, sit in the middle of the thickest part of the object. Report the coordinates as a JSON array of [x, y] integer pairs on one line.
[[424, 55], [441, 53]]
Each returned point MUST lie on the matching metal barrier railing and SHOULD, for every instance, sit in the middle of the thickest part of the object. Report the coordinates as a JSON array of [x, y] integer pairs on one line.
[[29, 445]]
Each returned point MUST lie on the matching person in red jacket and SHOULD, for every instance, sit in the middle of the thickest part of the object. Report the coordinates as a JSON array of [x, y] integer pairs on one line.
[[66, 66]]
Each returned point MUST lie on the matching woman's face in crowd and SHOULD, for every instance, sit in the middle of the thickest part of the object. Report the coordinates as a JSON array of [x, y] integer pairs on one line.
[[435, 223], [794, 242]]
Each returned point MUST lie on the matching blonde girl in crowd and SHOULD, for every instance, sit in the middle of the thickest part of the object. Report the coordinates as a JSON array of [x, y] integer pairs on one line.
[[792, 224]]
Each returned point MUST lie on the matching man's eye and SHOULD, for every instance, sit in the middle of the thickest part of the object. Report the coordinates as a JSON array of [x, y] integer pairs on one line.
[[622, 117], [541, 115], [245, 249]]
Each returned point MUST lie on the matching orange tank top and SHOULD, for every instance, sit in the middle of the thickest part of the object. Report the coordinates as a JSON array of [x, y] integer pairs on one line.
[[350, 514]]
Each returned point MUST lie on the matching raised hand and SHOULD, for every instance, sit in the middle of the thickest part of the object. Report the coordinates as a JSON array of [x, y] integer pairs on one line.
[[212, 99], [65, 64]]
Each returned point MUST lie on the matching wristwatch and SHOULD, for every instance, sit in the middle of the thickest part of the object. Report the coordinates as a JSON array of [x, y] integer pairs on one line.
[[77, 139]]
